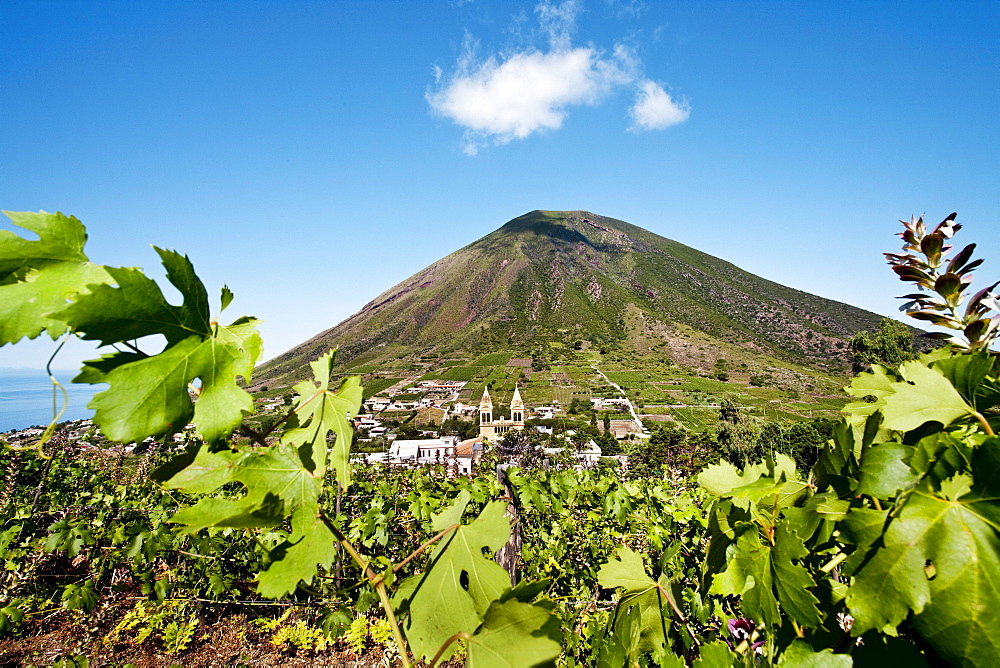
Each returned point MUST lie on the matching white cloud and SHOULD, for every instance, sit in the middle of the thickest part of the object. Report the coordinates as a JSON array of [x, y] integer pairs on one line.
[[558, 22], [654, 109], [630, 8], [512, 96], [526, 93]]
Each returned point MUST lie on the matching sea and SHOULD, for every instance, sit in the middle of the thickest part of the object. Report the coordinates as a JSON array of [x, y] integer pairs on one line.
[[26, 398]]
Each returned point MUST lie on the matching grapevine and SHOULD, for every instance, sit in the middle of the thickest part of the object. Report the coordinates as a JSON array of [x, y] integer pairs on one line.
[[887, 549]]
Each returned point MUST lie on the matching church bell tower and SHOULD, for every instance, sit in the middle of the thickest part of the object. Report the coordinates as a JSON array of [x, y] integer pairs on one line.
[[486, 408], [517, 407]]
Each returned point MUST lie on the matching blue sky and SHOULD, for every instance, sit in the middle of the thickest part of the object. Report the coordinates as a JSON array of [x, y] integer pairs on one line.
[[313, 154]]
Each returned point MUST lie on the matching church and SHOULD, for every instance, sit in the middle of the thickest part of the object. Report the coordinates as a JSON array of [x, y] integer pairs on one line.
[[493, 429]]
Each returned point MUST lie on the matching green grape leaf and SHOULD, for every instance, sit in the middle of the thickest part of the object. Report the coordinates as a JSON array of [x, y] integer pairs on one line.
[[26, 304], [955, 608], [150, 396], [800, 655], [956, 486], [312, 544], [716, 655], [38, 278], [10, 617], [619, 646], [861, 528], [627, 571], [453, 594], [135, 307], [60, 239], [226, 297], [512, 635], [276, 485], [824, 506], [326, 411], [194, 311], [764, 574], [966, 372], [280, 481], [667, 659], [769, 484], [924, 395], [722, 478], [79, 596], [95, 371], [792, 581], [452, 515], [876, 385], [526, 590], [230, 354], [885, 470], [643, 597]]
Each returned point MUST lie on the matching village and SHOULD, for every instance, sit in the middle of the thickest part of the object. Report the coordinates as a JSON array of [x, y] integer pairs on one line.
[[425, 447], [460, 455]]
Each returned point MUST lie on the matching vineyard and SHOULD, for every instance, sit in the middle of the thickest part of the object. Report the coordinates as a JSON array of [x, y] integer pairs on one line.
[[885, 552]]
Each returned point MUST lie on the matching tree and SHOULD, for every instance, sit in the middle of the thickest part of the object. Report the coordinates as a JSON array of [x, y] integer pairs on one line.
[[522, 448], [890, 346], [608, 443], [464, 429], [702, 450], [647, 457], [737, 433], [407, 431]]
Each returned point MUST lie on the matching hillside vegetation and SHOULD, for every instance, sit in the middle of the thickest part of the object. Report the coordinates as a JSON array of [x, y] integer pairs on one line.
[[577, 278]]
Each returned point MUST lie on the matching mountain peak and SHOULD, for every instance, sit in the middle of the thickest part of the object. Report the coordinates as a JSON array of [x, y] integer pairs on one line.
[[550, 277]]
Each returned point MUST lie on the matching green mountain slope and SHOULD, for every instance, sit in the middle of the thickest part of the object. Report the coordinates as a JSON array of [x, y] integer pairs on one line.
[[577, 277]]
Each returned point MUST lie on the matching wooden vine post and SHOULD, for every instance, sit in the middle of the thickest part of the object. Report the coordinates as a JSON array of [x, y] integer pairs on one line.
[[509, 555]]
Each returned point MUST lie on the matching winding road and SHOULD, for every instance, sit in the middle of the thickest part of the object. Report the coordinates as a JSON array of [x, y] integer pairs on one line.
[[631, 408]]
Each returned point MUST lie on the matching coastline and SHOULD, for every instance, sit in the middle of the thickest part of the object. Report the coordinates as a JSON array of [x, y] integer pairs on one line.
[[26, 398]]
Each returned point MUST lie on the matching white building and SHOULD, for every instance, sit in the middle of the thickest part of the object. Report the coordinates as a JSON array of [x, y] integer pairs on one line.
[[377, 404], [442, 385], [614, 402], [457, 458], [365, 422]]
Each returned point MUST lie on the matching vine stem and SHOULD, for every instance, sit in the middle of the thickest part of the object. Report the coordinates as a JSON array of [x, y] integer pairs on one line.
[[379, 584], [985, 424], [134, 348], [833, 563], [423, 547], [461, 635], [56, 414], [680, 615]]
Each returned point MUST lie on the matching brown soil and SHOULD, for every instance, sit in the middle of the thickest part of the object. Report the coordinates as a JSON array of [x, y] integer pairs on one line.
[[228, 639]]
